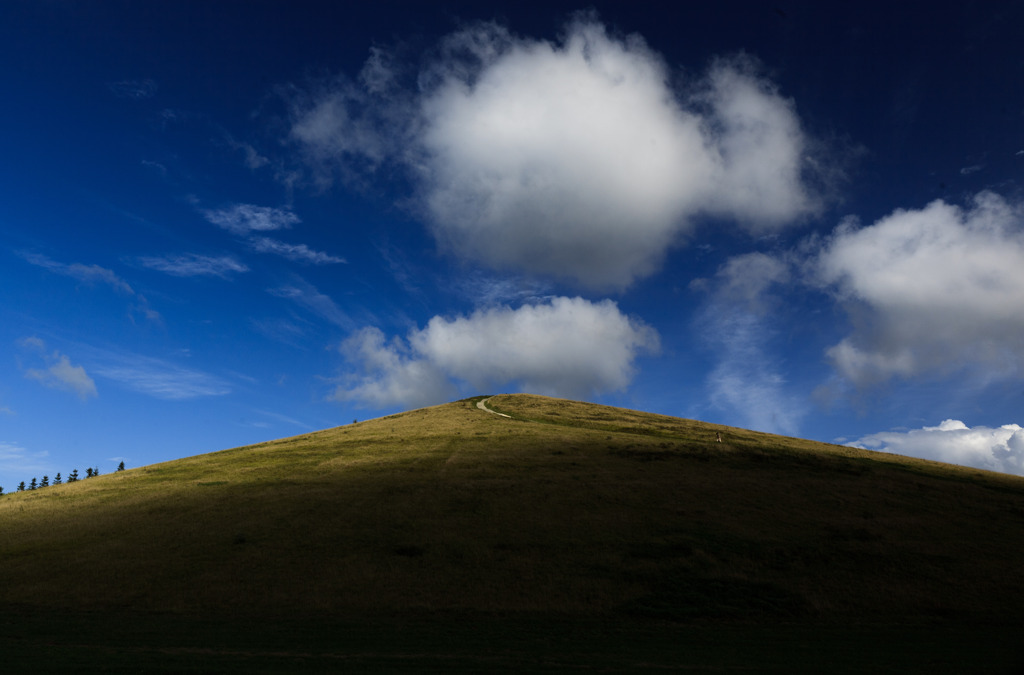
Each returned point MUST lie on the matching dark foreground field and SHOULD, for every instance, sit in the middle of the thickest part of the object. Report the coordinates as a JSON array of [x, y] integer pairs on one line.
[[134, 643], [567, 537]]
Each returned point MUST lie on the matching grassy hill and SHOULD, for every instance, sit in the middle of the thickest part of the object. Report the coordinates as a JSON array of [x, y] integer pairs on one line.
[[565, 534]]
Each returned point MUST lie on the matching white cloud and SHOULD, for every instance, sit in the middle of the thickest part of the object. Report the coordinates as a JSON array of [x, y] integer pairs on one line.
[[394, 375], [935, 290], [193, 265], [59, 372], [32, 343], [567, 347], [156, 377], [86, 273], [92, 274], [747, 279], [307, 296], [246, 218], [575, 160], [342, 127], [736, 327], [579, 161], [1000, 449], [296, 252]]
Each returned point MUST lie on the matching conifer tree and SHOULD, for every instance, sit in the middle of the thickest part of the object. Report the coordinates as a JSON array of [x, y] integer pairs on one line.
[[56, 479], [21, 486], [88, 472], [45, 482], [120, 467], [1, 489], [73, 476], [32, 485], [96, 472]]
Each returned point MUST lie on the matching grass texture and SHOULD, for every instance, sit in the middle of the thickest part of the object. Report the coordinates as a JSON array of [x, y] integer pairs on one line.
[[451, 524]]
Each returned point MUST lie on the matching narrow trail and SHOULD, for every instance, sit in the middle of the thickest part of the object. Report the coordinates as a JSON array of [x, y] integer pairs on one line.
[[482, 404]]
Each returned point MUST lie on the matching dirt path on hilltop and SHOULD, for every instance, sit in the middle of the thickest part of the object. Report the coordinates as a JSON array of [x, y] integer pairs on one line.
[[482, 404]]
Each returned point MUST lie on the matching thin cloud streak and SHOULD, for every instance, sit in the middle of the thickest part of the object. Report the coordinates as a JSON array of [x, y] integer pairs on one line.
[[304, 294], [296, 252], [18, 461], [152, 376], [195, 265], [89, 274], [160, 379], [92, 274], [246, 218], [736, 327]]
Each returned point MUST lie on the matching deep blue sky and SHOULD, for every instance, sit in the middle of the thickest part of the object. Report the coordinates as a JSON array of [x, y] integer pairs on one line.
[[226, 222]]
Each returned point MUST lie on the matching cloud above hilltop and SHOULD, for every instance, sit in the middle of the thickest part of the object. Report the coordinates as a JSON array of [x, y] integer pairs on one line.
[[584, 159], [952, 441], [564, 347]]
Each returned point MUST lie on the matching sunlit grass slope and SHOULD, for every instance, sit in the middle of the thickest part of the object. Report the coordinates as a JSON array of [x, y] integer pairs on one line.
[[565, 508]]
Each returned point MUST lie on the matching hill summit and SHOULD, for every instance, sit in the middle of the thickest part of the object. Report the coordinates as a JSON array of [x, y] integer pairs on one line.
[[550, 508]]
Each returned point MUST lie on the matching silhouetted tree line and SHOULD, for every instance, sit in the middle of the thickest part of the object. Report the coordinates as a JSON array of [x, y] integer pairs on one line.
[[57, 480]]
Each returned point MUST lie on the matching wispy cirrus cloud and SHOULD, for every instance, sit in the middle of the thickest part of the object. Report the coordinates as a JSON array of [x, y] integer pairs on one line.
[[156, 377], [195, 265], [58, 371], [92, 274], [304, 294], [279, 330], [246, 218], [16, 460], [296, 252], [736, 326]]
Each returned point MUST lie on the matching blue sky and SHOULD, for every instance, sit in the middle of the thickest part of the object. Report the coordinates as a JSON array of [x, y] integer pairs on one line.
[[226, 222]]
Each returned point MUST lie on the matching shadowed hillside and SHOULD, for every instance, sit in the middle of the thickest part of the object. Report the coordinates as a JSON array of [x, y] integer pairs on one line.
[[562, 510]]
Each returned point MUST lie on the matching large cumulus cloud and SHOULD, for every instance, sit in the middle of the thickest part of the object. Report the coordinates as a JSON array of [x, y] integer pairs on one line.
[[578, 159], [565, 347], [1000, 449], [931, 291]]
